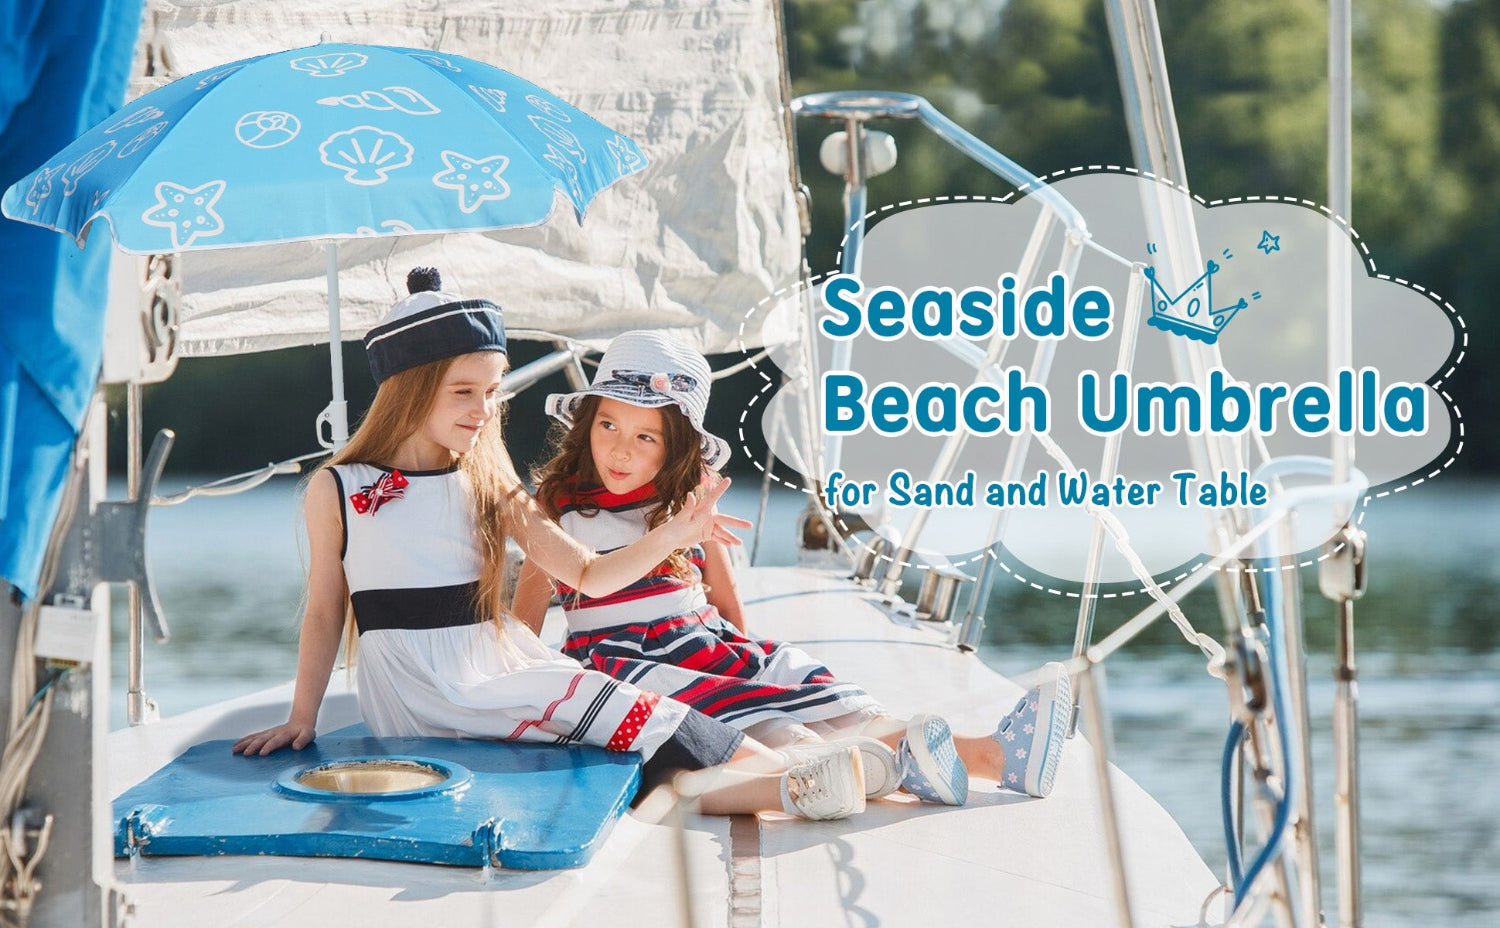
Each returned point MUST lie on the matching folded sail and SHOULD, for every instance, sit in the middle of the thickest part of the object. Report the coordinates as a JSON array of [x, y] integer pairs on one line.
[[690, 245]]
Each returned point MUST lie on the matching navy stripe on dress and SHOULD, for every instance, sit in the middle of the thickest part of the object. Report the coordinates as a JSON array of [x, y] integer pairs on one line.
[[434, 607], [695, 657]]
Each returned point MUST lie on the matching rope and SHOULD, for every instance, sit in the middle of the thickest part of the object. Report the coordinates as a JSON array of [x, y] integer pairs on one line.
[[1226, 802], [1211, 649], [30, 716], [18, 885], [239, 483], [1276, 665]]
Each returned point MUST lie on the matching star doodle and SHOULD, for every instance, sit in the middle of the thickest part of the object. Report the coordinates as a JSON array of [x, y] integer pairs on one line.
[[1269, 242], [187, 211], [475, 179]]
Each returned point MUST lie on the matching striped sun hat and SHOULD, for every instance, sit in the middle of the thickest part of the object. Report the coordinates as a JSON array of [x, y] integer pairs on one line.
[[650, 370]]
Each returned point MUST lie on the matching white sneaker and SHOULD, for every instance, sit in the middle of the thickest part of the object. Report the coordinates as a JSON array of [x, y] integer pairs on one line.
[[828, 783], [882, 774]]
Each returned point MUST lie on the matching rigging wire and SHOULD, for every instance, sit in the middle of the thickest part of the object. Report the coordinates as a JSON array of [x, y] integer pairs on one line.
[[1276, 659], [1210, 648], [1276, 650]]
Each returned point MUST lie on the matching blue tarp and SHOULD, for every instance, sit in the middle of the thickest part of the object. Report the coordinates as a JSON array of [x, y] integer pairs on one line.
[[63, 67]]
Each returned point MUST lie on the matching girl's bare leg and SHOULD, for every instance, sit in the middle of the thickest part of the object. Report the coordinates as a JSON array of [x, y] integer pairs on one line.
[[887, 729], [742, 794], [782, 733], [750, 782], [981, 754], [755, 780]]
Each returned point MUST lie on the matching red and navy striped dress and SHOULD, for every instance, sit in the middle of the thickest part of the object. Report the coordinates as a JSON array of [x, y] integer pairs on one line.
[[661, 634]]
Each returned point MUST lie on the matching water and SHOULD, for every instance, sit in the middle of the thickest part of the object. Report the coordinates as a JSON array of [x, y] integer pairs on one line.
[[229, 578]]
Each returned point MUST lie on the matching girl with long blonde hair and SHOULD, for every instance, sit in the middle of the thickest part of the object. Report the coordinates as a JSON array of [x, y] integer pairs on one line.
[[407, 529]]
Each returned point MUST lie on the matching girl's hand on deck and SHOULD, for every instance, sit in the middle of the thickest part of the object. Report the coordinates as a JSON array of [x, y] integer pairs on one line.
[[274, 739], [697, 521]]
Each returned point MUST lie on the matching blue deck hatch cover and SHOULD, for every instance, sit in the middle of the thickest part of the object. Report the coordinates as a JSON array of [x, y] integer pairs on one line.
[[439, 800]]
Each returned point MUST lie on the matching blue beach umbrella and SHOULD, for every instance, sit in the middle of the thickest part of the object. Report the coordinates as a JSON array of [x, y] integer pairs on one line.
[[330, 142]]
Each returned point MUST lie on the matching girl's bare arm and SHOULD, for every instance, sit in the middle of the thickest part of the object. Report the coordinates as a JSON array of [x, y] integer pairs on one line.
[[563, 558], [322, 622], [533, 596], [718, 576]]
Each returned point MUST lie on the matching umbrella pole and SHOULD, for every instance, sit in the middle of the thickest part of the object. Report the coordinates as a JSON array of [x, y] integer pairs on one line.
[[336, 413]]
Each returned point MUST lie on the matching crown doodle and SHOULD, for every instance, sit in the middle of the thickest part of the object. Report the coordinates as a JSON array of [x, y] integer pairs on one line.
[[1184, 314]]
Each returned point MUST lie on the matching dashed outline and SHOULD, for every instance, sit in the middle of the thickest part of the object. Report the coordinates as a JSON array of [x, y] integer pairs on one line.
[[1233, 567]]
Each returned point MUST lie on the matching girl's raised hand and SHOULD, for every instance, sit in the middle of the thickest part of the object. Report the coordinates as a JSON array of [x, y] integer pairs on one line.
[[274, 739], [697, 521]]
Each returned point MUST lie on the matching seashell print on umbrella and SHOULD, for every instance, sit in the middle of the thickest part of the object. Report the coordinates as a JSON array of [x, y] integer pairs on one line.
[[330, 142], [326, 143]]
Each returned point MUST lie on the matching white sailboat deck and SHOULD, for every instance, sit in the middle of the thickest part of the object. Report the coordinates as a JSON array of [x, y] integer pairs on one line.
[[1004, 858]]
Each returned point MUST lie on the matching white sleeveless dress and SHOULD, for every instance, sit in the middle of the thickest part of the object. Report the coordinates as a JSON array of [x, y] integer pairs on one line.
[[426, 667]]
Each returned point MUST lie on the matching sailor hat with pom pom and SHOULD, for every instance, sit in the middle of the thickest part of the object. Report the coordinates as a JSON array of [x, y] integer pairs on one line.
[[430, 325]]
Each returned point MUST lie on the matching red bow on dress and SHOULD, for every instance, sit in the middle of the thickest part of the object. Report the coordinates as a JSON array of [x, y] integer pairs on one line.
[[388, 487]]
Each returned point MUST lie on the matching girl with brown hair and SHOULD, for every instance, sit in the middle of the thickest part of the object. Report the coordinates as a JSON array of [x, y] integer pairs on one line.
[[635, 454]]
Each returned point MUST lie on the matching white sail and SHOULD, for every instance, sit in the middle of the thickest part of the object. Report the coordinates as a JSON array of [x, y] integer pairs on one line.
[[689, 246]]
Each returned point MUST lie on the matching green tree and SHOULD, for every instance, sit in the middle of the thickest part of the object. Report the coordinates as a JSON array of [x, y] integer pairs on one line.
[[1053, 79], [1464, 270], [1037, 79], [1251, 95], [938, 51]]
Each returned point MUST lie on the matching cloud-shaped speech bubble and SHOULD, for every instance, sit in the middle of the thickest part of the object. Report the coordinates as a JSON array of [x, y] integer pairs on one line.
[[1243, 292]]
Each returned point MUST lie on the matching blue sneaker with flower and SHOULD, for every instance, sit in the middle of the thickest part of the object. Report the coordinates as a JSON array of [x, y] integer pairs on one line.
[[1034, 731], [929, 765]]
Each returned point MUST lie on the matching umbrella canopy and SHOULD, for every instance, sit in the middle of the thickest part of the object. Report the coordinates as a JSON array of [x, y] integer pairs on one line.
[[328, 142]]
